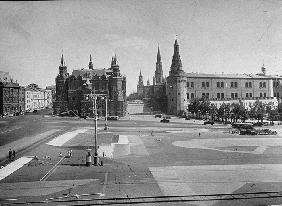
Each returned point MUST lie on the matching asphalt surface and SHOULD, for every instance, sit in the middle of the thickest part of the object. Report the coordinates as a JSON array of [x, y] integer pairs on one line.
[[145, 162]]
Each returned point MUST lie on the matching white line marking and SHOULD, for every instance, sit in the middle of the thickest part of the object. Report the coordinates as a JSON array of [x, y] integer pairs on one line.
[[13, 166], [214, 144], [62, 139], [48, 174]]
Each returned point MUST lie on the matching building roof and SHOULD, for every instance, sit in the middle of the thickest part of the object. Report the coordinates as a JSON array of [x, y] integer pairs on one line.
[[233, 76], [89, 73]]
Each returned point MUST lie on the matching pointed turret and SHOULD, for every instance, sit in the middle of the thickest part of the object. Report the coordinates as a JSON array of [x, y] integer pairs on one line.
[[176, 64], [63, 67], [140, 81], [115, 66], [62, 60], [90, 63], [159, 55], [159, 70]]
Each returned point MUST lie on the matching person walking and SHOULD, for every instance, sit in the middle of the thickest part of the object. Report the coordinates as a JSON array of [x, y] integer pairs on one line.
[[199, 134], [10, 154], [14, 154]]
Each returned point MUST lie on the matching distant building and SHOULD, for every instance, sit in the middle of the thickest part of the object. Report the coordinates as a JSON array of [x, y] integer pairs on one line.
[[73, 91], [53, 91], [37, 98], [218, 88], [154, 94], [10, 96]]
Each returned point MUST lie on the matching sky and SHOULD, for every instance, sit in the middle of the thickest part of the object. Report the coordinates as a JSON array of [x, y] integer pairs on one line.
[[218, 36]]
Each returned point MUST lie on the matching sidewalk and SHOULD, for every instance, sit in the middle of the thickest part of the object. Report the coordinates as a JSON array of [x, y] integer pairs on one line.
[[24, 143]]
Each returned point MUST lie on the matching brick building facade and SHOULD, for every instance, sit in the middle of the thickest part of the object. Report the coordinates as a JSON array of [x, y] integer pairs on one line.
[[10, 96], [73, 92]]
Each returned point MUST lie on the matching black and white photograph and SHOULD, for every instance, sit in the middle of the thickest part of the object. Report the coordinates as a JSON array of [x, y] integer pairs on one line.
[[141, 102]]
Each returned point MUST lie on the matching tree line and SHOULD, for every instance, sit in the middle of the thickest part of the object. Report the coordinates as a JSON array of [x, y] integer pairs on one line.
[[203, 108]]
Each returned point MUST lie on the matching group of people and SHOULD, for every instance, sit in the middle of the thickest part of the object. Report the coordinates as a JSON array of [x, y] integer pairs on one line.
[[12, 154], [69, 153]]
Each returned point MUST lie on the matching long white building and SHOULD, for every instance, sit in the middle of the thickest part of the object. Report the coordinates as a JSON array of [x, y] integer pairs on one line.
[[219, 88]]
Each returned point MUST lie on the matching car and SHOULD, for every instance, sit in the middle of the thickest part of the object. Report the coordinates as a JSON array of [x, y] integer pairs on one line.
[[113, 118], [165, 120], [187, 118], [248, 132], [259, 124], [158, 116], [209, 122]]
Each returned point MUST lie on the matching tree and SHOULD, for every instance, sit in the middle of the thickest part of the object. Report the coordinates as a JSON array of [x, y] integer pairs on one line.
[[258, 110], [199, 106], [238, 112], [204, 106], [213, 111], [194, 106], [224, 111]]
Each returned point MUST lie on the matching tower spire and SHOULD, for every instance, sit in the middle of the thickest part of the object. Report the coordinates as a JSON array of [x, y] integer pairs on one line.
[[159, 71], [159, 54], [62, 60], [176, 64], [90, 63]]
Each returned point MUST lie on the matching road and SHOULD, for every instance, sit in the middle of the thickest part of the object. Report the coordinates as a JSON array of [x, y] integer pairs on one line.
[[144, 162]]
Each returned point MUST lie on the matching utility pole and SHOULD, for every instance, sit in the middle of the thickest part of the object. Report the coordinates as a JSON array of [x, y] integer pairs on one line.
[[96, 160], [106, 115]]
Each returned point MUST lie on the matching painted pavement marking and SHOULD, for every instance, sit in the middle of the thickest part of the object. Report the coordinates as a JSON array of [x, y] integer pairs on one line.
[[50, 172], [13, 166], [220, 144], [213, 179], [22, 189], [62, 139]]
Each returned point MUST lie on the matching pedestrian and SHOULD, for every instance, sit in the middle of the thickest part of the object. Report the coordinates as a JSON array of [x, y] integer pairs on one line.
[[10, 154], [60, 154], [199, 134], [14, 154], [70, 153]]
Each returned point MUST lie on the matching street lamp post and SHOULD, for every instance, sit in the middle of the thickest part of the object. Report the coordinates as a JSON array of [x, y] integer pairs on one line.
[[94, 111], [96, 160], [106, 115]]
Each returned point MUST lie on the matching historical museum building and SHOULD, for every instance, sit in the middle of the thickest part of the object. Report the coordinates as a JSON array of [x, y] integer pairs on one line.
[[75, 92], [155, 94], [218, 88], [11, 96]]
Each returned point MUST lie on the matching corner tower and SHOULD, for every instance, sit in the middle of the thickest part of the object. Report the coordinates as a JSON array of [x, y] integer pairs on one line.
[[61, 99], [176, 85], [140, 86]]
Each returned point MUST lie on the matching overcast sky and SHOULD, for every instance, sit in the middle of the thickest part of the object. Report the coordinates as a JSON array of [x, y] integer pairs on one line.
[[229, 36]]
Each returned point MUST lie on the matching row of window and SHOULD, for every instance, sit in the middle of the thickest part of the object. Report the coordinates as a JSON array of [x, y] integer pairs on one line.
[[232, 84], [233, 95]]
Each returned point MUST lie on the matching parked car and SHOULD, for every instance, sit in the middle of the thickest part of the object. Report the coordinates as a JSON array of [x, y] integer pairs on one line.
[[165, 120], [187, 118], [248, 132], [158, 116], [113, 118], [209, 122], [258, 124]]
